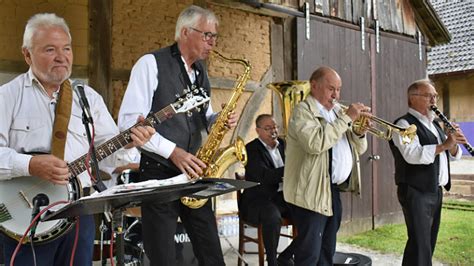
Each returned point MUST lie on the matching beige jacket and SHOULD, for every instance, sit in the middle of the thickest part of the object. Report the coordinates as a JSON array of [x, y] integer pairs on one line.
[[306, 181]]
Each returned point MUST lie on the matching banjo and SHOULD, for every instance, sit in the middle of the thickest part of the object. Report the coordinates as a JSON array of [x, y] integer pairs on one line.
[[16, 195]]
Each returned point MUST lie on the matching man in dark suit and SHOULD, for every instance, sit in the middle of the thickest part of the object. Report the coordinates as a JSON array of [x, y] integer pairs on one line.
[[264, 204]]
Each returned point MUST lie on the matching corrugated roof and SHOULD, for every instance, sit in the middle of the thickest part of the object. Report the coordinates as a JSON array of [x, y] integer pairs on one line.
[[458, 54]]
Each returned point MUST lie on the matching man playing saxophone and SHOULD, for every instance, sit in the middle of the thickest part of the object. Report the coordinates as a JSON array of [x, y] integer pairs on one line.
[[156, 79], [421, 170], [322, 157]]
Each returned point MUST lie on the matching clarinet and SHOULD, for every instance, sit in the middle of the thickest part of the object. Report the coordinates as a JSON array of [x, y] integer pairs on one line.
[[448, 124]]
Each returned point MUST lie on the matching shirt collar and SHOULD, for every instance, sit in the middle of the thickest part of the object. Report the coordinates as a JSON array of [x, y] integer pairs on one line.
[[421, 117], [33, 81], [268, 147], [189, 69], [323, 109]]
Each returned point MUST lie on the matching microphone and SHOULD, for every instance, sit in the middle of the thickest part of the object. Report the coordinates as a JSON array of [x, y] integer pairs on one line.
[[78, 87], [38, 201]]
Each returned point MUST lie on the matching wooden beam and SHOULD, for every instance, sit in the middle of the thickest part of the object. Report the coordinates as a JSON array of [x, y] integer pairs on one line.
[[100, 52], [12, 66], [251, 107], [429, 22], [278, 68], [289, 48], [225, 83], [255, 8]]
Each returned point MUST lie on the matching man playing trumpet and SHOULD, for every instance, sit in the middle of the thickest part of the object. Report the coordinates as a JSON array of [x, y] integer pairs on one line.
[[322, 159]]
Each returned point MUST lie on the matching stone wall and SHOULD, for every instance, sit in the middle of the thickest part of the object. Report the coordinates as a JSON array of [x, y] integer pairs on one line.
[[15, 14]]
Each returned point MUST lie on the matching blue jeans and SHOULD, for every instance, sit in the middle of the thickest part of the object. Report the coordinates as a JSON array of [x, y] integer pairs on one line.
[[57, 252]]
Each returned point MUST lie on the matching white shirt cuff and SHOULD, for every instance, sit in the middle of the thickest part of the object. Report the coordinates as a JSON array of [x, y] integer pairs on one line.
[[160, 145], [21, 165]]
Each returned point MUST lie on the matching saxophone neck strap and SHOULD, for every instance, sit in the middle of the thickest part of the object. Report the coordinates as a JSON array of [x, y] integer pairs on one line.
[[61, 120], [197, 82]]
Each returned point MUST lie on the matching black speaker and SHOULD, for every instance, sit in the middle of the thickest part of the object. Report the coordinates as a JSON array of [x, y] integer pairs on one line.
[[184, 248], [351, 259]]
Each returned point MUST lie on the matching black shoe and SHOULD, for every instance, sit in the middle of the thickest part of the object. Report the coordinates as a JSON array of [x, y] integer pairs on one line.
[[285, 261]]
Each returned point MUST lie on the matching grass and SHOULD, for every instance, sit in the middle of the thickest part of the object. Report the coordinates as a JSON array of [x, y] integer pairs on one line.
[[455, 244]]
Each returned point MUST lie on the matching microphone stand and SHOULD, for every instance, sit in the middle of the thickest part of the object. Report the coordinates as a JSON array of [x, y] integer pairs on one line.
[[86, 120]]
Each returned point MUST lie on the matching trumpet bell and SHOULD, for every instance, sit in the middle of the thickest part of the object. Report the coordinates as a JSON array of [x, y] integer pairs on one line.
[[385, 130], [408, 134]]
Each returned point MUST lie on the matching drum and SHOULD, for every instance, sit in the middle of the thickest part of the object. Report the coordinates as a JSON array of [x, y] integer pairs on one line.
[[134, 253], [133, 246]]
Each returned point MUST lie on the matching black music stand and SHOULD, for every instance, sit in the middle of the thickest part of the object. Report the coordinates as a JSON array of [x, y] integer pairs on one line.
[[117, 203]]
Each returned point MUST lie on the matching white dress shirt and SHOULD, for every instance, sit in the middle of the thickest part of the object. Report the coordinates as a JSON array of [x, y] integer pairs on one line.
[[415, 153], [342, 160], [27, 116], [138, 101], [276, 158]]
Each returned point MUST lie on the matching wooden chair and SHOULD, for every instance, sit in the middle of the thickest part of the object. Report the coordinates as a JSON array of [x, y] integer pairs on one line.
[[244, 238]]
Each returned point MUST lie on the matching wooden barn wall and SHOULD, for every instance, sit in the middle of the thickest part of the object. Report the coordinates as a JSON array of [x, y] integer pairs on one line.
[[378, 80], [339, 48], [395, 68], [393, 15]]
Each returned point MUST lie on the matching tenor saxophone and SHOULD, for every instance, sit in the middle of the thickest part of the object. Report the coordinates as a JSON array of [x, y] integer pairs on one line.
[[217, 159]]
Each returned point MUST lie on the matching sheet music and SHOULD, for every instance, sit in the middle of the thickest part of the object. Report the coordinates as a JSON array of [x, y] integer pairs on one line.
[[141, 186]]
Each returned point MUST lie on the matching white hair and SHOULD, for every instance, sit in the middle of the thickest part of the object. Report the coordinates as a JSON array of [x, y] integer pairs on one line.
[[190, 17], [42, 20]]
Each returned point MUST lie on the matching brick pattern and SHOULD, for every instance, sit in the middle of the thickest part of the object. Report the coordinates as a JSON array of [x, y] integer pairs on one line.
[[242, 35], [143, 26], [14, 15]]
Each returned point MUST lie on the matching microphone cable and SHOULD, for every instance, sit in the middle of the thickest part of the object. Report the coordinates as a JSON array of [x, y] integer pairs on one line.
[[76, 237], [33, 221], [33, 253]]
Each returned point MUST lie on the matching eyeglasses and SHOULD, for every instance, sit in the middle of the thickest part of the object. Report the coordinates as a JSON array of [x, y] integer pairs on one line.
[[270, 129], [206, 36], [428, 96]]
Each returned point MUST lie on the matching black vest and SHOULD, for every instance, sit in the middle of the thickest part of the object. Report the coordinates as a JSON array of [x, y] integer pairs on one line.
[[423, 177], [183, 130]]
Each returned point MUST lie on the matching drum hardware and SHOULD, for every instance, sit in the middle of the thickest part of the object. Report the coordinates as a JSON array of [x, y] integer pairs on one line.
[[102, 228]]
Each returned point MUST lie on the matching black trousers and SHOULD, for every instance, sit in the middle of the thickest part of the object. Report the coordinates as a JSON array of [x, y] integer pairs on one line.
[[269, 213], [159, 222], [422, 211], [316, 240]]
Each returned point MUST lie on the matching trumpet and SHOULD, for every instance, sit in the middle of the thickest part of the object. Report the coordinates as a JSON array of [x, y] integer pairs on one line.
[[385, 132]]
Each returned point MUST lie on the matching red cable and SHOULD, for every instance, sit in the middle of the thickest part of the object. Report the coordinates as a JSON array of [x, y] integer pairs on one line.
[[76, 237], [111, 248], [18, 246]]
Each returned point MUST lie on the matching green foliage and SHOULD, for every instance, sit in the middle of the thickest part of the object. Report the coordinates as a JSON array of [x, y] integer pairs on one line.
[[455, 244]]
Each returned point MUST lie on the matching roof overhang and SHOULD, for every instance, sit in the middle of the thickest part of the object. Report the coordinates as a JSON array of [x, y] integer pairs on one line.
[[429, 23]]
